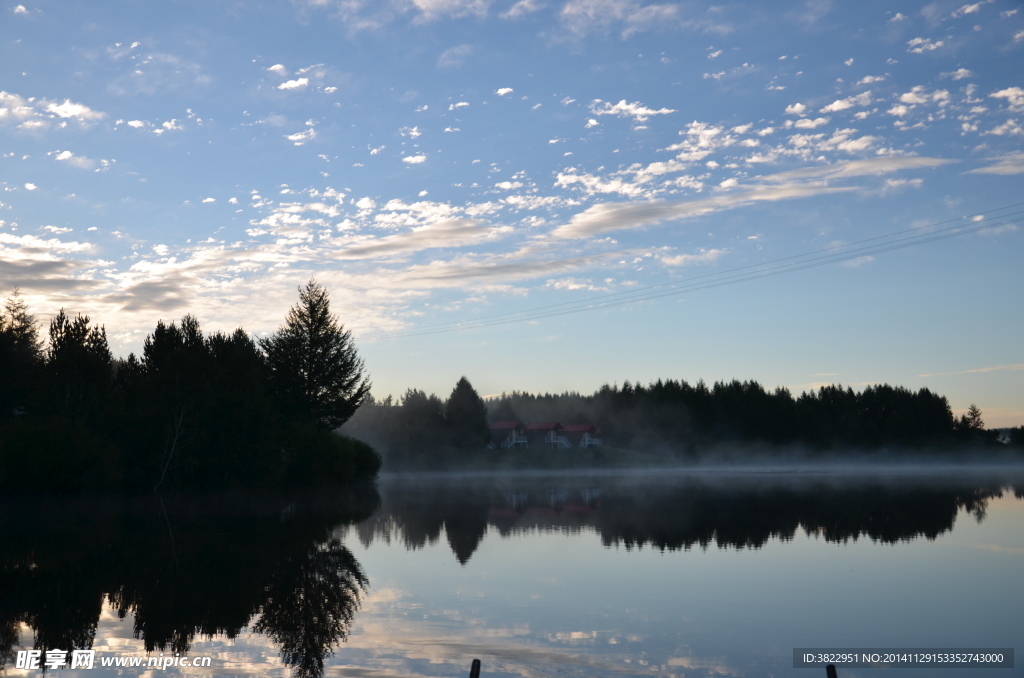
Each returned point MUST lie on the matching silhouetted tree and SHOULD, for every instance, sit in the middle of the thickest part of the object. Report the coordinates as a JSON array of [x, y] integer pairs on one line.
[[314, 367], [78, 366], [466, 414], [20, 352]]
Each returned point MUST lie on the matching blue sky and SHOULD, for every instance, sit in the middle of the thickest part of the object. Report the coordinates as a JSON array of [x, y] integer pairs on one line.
[[438, 163]]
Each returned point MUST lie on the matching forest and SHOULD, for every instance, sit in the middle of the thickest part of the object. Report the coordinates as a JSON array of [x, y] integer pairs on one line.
[[195, 411], [673, 421]]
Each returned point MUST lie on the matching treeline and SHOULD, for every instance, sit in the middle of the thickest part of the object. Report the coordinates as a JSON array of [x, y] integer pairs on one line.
[[673, 420], [689, 419], [423, 432], [198, 411]]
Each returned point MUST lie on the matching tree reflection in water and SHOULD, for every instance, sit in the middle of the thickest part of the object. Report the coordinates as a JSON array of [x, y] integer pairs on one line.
[[213, 566], [681, 512], [203, 567]]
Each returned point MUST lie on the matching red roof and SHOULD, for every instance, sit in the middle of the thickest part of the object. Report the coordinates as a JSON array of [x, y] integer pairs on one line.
[[504, 425], [581, 428], [543, 426]]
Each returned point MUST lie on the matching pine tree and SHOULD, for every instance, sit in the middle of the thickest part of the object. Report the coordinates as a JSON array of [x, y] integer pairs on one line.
[[466, 413], [20, 352], [314, 367]]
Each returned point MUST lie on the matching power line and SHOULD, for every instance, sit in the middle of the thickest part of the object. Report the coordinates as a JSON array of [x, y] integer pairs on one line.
[[829, 255]]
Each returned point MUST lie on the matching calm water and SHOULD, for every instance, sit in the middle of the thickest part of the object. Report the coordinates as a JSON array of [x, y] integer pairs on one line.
[[661, 574]]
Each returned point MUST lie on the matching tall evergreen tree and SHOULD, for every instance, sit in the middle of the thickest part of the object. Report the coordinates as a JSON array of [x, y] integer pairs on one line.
[[20, 352], [466, 413], [79, 366], [314, 367]]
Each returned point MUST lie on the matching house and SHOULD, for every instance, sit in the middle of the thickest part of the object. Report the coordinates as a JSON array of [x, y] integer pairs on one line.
[[546, 434], [507, 434], [582, 435]]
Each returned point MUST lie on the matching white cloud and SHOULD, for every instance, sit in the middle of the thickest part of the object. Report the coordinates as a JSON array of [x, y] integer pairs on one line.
[[298, 83], [807, 123], [898, 17], [973, 8], [508, 185], [802, 183], [862, 99], [67, 109], [521, 8], [959, 74], [587, 16], [634, 110], [209, 200], [503, 91], [714, 55], [1009, 128], [279, 69], [868, 79], [300, 138], [74, 160], [30, 187], [922, 45], [136, 123], [460, 104], [703, 257], [1004, 165], [19, 9], [795, 109], [1014, 97], [453, 57], [415, 159]]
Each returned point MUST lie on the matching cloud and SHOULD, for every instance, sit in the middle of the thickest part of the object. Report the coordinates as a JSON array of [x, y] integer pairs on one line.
[[586, 16], [74, 160], [449, 233], [415, 159], [300, 138], [1005, 165], [973, 8], [459, 104], [703, 257], [795, 109], [635, 110], [807, 123], [19, 9], [1014, 97], [607, 217], [503, 91], [298, 83], [981, 370], [922, 45], [279, 69], [868, 79], [522, 8], [453, 57], [1009, 128], [33, 113], [958, 74], [862, 99]]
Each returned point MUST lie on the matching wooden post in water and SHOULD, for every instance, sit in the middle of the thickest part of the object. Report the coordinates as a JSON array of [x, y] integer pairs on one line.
[[830, 671], [474, 670]]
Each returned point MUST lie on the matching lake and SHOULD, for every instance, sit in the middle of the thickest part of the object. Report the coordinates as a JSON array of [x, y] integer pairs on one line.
[[662, 573]]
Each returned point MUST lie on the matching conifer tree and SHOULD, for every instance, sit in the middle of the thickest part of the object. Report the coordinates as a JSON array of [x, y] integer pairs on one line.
[[314, 367], [466, 413]]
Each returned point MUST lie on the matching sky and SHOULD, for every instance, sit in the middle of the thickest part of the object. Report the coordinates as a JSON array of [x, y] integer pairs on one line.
[[541, 195]]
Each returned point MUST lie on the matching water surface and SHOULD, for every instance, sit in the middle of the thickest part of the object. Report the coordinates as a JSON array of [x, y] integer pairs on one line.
[[654, 574]]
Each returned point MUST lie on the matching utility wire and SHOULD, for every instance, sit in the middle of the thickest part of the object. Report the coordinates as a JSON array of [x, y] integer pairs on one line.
[[829, 255]]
